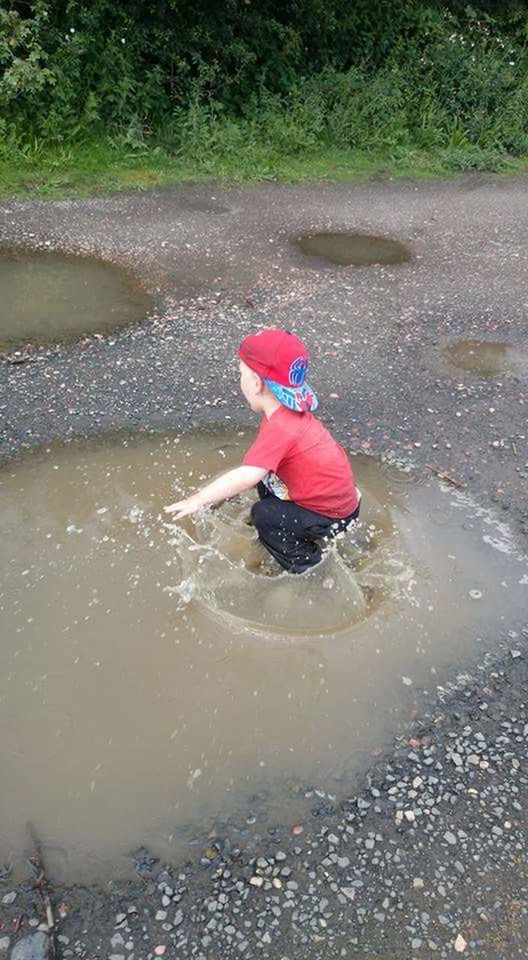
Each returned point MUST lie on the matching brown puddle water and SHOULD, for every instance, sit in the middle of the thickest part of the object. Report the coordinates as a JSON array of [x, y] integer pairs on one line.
[[485, 358], [49, 297], [354, 249], [153, 684]]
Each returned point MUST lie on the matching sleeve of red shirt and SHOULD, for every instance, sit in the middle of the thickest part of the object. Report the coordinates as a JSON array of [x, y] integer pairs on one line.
[[269, 448]]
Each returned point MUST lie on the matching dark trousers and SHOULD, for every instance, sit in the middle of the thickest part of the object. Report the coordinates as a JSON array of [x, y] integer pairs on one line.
[[291, 533]]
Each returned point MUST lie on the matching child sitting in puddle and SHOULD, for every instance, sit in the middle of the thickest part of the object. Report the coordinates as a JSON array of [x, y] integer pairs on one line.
[[306, 487]]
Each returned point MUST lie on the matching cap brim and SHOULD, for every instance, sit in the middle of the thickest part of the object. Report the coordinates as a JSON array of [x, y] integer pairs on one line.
[[302, 399]]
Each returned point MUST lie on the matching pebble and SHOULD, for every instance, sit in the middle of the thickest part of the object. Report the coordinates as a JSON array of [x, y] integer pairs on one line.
[[450, 837], [160, 950], [32, 947], [256, 881], [349, 892], [9, 898], [4, 944], [460, 944]]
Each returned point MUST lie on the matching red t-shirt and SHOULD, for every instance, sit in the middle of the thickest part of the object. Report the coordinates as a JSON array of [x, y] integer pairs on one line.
[[305, 463]]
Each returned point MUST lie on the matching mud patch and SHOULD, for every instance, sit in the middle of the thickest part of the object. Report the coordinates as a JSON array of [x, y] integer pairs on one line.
[[353, 249], [158, 679], [49, 298]]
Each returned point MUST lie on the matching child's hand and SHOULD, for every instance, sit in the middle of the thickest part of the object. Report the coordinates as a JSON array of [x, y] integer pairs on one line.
[[182, 508]]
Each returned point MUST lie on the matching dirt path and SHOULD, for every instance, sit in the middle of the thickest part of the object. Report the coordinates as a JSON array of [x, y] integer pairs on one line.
[[217, 263]]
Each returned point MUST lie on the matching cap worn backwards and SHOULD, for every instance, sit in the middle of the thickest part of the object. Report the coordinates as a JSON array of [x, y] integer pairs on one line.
[[281, 359]]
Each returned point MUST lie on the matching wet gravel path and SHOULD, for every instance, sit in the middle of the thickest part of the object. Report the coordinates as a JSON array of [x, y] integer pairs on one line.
[[430, 858]]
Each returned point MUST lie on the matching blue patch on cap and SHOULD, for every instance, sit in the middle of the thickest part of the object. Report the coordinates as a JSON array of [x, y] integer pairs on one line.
[[298, 369], [301, 399]]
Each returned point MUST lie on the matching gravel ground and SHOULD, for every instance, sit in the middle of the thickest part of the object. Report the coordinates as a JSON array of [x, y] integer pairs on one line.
[[429, 859]]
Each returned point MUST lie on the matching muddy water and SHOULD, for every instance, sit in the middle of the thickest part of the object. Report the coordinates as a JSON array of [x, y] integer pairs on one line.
[[159, 678], [486, 359], [47, 297], [353, 249]]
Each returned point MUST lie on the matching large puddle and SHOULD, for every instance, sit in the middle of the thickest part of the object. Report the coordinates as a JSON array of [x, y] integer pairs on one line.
[[158, 679], [49, 297], [353, 249]]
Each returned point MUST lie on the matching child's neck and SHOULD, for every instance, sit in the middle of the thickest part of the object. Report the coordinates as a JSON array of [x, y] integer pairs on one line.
[[270, 405]]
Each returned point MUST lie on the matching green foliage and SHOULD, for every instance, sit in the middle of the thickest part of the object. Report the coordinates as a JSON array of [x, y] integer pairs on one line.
[[244, 81]]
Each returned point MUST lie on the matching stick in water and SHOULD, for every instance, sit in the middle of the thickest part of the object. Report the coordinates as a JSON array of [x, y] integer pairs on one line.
[[41, 883]]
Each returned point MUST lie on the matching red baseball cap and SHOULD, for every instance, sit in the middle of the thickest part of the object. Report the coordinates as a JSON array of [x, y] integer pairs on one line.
[[281, 359]]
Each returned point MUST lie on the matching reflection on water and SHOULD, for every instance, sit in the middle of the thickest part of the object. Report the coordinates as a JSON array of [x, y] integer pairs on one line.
[[49, 297], [155, 676]]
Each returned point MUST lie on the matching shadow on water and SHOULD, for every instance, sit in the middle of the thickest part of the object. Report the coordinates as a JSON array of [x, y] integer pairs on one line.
[[49, 297], [157, 675], [353, 249]]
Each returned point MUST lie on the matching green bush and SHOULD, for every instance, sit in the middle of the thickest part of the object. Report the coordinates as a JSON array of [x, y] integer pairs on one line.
[[212, 80]]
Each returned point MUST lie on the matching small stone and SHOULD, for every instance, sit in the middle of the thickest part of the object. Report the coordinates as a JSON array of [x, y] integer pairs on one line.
[[161, 915], [256, 881], [4, 944], [32, 947], [450, 837], [343, 862], [297, 830], [9, 898], [277, 883], [348, 892], [160, 950], [409, 815], [418, 883], [460, 944]]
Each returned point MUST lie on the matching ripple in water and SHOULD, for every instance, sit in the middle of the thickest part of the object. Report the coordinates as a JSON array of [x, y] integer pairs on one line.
[[155, 679]]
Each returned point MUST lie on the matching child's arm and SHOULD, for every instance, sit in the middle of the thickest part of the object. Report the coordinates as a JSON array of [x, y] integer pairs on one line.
[[228, 485]]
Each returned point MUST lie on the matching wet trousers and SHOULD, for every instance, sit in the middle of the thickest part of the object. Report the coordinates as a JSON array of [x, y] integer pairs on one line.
[[292, 534]]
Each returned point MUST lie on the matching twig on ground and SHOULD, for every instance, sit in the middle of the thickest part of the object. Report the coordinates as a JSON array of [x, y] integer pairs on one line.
[[443, 475], [41, 883]]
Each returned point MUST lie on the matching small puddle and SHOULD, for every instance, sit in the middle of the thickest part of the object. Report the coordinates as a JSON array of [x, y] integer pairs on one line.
[[159, 679], [354, 249], [50, 297], [486, 359]]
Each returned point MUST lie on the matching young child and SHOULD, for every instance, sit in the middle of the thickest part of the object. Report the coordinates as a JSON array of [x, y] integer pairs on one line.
[[305, 483]]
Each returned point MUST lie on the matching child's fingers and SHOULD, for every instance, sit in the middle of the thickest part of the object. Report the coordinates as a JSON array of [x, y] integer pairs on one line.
[[174, 507]]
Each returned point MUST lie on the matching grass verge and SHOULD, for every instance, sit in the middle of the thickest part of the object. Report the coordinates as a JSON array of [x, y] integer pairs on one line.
[[99, 168]]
